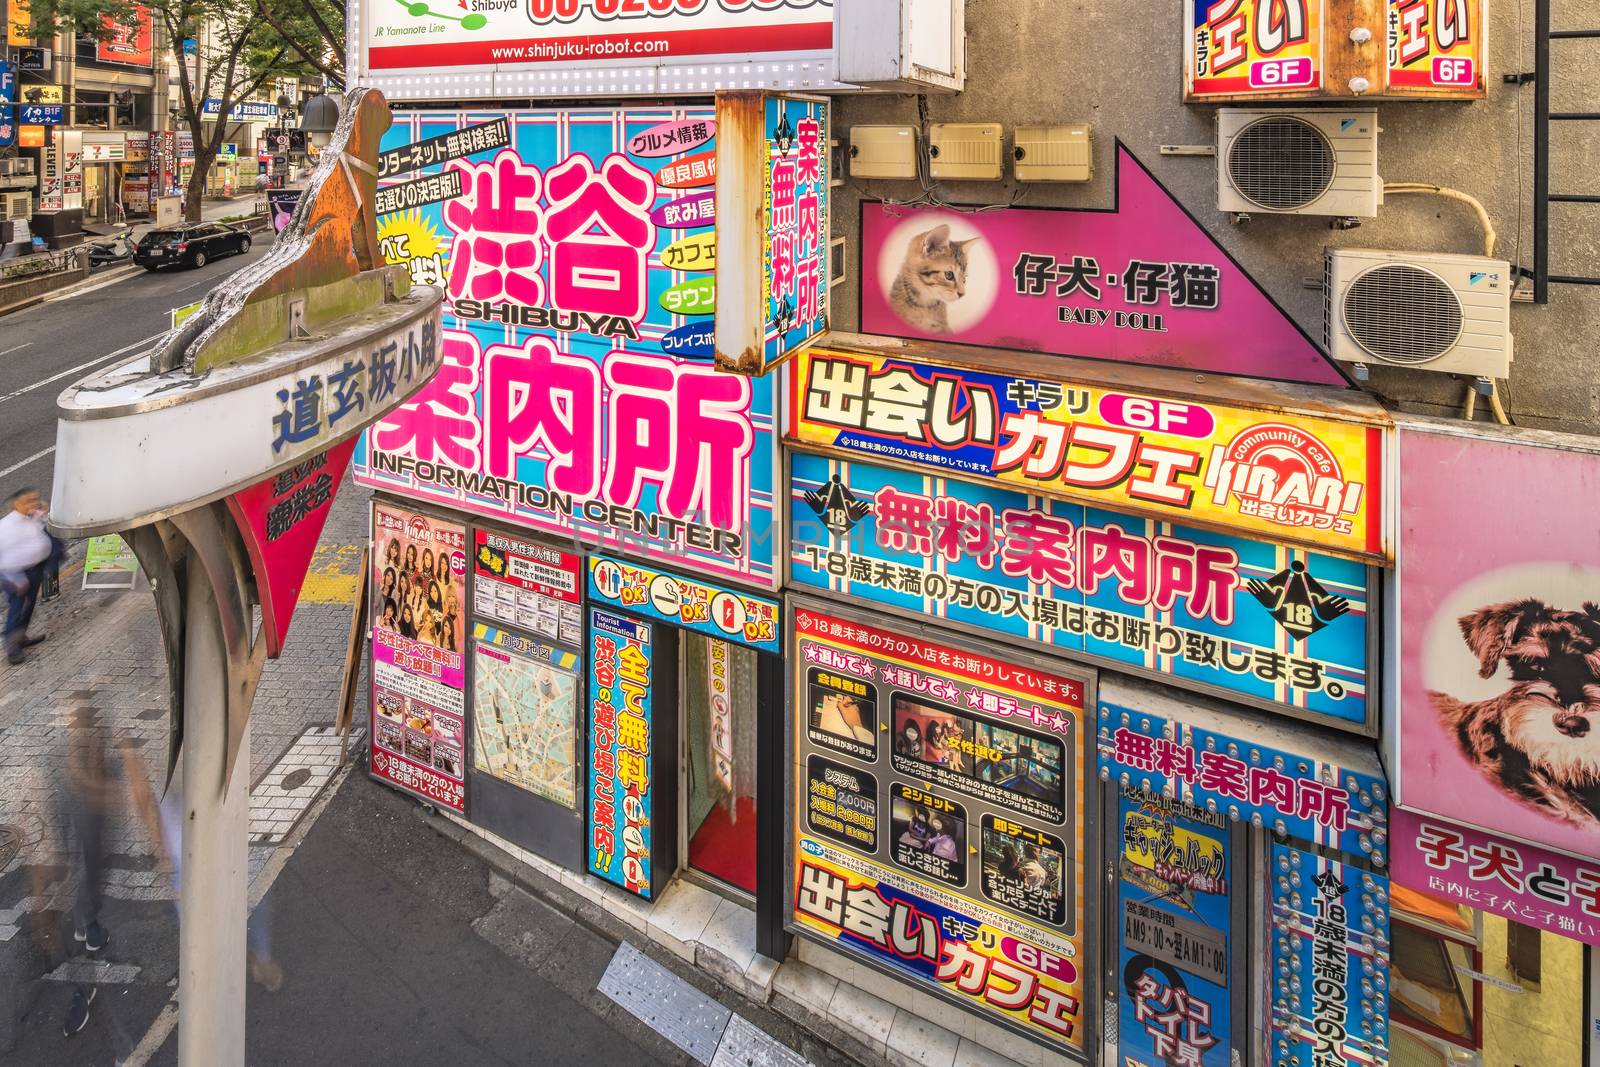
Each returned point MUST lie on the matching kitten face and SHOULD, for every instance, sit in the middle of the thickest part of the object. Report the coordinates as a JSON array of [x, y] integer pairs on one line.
[[936, 266]]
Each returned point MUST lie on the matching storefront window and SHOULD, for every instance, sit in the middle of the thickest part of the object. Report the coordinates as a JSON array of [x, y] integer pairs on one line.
[[1473, 988]]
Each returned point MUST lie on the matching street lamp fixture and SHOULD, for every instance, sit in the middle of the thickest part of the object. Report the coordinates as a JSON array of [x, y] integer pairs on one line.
[[319, 116]]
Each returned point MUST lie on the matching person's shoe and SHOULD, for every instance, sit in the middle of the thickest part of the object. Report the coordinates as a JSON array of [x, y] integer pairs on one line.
[[78, 1014], [29, 642], [93, 936], [15, 658]]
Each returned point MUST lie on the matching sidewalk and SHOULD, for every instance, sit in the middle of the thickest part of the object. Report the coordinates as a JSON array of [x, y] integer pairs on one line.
[[399, 947], [210, 211], [104, 653]]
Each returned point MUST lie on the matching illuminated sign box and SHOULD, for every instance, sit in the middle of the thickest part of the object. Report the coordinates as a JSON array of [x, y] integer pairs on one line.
[[1240, 50], [437, 50]]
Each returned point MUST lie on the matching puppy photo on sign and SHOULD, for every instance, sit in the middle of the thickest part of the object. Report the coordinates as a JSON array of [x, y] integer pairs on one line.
[[1515, 680]]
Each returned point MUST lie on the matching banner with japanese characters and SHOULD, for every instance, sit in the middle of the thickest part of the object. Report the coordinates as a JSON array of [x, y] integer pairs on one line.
[[1497, 644], [1140, 283], [1436, 47], [419, 566], [938, 818], [528, 585], [621, 752], [577, 34], [1253, 48], [725, 614], [1328, 961], [1296, 792], [1275, 625], [1523, 883], [577, 393], [1281, 476], [795, 215], [1175, 879]]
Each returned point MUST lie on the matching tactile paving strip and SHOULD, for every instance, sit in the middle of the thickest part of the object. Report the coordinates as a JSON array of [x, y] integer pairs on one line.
[[664, 1002]]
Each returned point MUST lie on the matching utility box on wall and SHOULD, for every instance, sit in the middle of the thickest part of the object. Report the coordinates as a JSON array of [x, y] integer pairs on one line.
[[901, 44], [1245, 50]]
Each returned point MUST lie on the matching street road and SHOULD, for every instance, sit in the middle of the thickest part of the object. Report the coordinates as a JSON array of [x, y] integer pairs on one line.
[[45, 348]]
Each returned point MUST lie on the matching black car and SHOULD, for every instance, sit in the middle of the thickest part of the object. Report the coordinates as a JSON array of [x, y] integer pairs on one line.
[[192, 244]]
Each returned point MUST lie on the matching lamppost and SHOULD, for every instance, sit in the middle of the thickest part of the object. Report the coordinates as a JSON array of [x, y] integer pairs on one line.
[[319, 117]]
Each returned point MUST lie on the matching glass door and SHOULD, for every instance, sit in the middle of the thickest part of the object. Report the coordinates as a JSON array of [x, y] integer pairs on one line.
[[719, 761]]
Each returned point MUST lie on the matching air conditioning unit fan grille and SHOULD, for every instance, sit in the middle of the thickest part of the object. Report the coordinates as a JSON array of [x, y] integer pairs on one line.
[[1280, 163], [1402, 314]]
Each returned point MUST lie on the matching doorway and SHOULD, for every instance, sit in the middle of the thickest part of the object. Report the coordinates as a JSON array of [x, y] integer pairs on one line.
[[719, 762]]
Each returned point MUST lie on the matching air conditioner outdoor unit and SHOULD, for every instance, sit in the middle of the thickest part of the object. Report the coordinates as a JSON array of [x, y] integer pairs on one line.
[[1426, 311], [1298, 162], [8, 167], [14, 206], [24, 164]]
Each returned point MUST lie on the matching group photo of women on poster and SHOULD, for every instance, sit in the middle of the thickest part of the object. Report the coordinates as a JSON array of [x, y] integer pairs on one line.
[[419, 594]]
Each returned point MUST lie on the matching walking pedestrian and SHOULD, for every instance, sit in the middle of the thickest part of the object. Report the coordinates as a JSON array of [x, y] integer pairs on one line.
[[89, 792], [26, 548]]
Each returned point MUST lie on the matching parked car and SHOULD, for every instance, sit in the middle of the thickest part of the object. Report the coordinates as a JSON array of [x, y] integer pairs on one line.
[[192, 244]]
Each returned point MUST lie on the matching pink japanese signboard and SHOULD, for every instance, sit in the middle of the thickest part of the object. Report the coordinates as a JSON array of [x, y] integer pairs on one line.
[[1528, 885], [577, 394], [1499, 632], [1141, 282]]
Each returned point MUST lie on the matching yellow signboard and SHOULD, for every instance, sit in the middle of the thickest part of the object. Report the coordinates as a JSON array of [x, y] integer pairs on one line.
[[1435, 48], [40, 94], [1277, 476], [19, 23], [1238, 49]]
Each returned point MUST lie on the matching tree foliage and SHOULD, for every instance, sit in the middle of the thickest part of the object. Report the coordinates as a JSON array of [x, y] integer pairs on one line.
[[241, 45]]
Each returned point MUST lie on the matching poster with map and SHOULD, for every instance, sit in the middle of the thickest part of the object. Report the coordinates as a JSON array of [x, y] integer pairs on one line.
[[525, 713]]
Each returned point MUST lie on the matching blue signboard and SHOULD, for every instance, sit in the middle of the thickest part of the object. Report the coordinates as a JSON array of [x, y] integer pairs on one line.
[[795, 246], [41, 114], [1174, 886], [8, 93], [575, 397], [1192, 606], [619, 778], [241, 111], [1292, 793], [707, 608], [1329, 961]]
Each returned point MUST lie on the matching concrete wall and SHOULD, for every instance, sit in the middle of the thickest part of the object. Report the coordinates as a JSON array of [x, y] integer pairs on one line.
[[1120, 68]]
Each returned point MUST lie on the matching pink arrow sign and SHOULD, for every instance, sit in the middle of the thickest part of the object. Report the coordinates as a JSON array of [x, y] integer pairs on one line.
[[1141, 282]]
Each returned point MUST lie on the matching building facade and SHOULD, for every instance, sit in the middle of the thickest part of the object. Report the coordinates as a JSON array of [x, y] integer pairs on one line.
[[927, 523]]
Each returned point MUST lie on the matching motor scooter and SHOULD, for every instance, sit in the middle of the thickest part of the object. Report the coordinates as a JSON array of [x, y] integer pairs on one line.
[[119, 249]]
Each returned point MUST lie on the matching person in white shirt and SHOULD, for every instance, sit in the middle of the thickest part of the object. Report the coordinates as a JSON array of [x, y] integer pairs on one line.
[[26, 548]]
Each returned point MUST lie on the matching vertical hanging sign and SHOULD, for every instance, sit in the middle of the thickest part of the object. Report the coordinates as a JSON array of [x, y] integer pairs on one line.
[[620, 667], [1173, 886], [1329, 961], [1435, 48], [1245, 48], [774, 148], [717, 666]]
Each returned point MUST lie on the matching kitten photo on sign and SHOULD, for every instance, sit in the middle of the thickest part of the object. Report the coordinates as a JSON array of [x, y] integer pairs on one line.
[[932, 277]]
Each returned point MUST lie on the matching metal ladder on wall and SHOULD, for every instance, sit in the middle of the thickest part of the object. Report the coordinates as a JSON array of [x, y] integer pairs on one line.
[[1542, 118]]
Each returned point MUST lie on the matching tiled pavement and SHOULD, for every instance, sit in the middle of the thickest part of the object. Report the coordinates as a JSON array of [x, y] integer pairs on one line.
[[104, 653]]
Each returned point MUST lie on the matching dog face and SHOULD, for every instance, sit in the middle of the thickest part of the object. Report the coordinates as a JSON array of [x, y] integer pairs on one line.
[[1555, 740], [1554, 660]]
